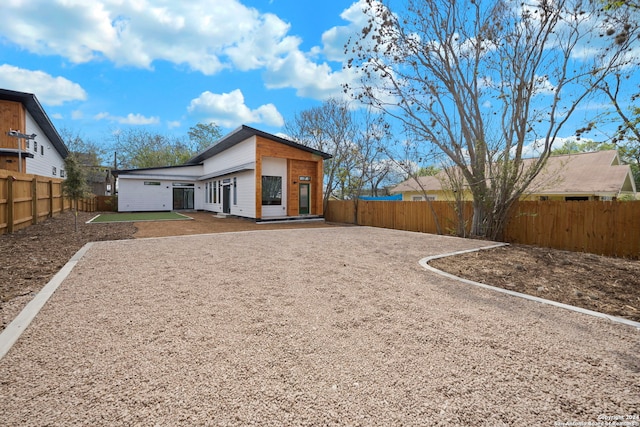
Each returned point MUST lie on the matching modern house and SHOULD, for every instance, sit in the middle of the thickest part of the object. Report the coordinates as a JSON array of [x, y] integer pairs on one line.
[[597, 175], [43, 152], [248, 173]]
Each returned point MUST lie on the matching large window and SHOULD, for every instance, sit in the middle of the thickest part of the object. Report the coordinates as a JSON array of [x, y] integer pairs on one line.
[[271, 190]]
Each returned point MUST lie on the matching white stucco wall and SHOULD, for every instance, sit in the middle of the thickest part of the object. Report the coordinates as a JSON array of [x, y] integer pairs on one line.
[[46, 157], [239, 154], [135, 196], [245, 200], [246, 205]]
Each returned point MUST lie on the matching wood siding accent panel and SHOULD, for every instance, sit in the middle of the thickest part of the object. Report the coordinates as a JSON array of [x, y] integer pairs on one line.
[[301, 160], [298, 168], [12, 116]]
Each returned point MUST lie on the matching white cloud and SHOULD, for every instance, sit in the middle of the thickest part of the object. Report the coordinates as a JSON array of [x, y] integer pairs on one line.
[[205, 36], [336, 38], [300, 71], [172, 124], [50, 90], [129, 119], [230, 110]]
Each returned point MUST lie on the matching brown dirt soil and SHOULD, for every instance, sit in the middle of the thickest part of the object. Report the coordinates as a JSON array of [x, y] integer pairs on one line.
[[604, 284], [32, 256]]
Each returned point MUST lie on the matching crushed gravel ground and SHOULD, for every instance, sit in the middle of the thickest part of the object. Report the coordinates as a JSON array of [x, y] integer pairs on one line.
[[333, 326]]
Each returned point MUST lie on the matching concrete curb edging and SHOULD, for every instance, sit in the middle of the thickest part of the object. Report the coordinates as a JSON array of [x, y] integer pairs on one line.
[[12, 332], [424, 262]]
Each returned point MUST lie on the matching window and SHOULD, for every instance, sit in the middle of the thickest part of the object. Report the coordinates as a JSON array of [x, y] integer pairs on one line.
[[61, 173], [53, 171], [271, 190], [152, 183], [219, 191], [416, 198], [235, 191], [576, 199], [41, 150], [35, 146]]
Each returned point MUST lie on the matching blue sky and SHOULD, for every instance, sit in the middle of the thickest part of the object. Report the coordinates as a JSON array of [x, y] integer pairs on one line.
[[166, 65]]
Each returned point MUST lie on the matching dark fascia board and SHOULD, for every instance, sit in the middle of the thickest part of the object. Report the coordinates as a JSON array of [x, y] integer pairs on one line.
[[117, 172], [14, 152], [34, 108], [242, 133]]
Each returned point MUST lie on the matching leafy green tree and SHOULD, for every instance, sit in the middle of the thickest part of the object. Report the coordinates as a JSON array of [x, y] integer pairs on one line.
[[91, 157], [573, 146], [203, 135], [616, 4], [428, 170], [330, 128], [75, 184], [138, 148]]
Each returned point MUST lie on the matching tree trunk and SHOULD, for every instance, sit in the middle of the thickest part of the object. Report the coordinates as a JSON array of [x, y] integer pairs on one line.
[[76, 216]]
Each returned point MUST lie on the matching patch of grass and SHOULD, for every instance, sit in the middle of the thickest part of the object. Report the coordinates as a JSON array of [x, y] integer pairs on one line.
[[139, 216]]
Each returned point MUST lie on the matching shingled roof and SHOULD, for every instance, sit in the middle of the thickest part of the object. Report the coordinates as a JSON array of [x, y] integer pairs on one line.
[[596, 172]]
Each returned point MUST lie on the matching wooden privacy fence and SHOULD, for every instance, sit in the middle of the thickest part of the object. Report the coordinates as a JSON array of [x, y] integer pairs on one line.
[[28, 199], [107, 203], [606, 228]]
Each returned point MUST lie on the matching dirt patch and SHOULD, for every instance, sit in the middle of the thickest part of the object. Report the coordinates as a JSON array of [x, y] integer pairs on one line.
[[33, 255], [609, 285], [598, 283], [206, 222]]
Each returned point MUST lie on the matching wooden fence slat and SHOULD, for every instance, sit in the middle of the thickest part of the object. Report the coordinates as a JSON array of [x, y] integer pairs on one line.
[[25, 198], [600, 227]]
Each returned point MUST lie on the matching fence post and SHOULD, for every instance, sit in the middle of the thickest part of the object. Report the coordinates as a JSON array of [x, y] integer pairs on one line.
[[50, 198], [34, 200], [10, 204]]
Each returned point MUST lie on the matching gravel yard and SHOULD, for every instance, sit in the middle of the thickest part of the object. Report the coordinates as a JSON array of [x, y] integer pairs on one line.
[[327, 326]]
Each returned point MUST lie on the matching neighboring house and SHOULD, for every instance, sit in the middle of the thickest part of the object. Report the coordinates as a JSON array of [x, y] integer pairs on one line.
[[248, 173], [99, 178], [598, 175], [44, 155]]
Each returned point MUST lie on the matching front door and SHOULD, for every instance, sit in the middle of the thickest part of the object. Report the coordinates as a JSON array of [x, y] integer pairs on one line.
[[304, 203], [226, 196]]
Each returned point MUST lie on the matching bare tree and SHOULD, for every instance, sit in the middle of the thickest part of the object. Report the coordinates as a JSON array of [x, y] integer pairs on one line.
[[481, 80], [627, 137], [330, 128]]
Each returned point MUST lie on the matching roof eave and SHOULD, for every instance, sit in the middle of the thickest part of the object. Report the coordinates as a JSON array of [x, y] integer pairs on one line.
[[33, 106]]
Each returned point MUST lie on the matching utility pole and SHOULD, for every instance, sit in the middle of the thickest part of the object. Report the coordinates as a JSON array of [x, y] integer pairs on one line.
[[16, 134]]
